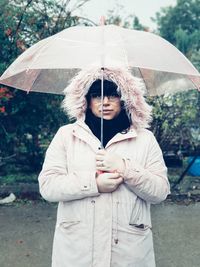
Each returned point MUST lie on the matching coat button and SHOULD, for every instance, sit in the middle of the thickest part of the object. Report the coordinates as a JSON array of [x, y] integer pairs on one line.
[[85, 187]]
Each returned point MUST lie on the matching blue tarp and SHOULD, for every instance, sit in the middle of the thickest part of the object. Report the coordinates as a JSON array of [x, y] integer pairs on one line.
[[194, 170]]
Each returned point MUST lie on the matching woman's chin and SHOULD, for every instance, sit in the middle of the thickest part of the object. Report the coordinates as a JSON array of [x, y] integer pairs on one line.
[[107, 117]]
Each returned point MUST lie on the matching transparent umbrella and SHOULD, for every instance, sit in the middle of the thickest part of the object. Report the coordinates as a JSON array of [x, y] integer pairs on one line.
[[49, 65]]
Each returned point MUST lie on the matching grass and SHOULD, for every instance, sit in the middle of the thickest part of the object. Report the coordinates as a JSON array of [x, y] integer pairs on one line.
[[189, 183], [18, 177]]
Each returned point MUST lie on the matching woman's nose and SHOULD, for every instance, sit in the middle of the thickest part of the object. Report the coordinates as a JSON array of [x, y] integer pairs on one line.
[[105, 99]]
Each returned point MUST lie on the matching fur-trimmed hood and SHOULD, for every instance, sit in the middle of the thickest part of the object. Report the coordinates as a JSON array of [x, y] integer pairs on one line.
[[130, 87]]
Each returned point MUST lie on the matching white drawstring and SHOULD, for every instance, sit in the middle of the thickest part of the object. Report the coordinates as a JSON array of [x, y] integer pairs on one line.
[[93, 214], [116, 234]]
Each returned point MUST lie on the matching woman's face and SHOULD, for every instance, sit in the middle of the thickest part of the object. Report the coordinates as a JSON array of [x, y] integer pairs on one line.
[[111, 106]]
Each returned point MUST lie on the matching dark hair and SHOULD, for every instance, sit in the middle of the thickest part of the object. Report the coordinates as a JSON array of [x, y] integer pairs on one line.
[[109, 88]]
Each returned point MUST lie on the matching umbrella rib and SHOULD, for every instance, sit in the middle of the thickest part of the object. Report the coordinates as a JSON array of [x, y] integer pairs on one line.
[[42, 48], [38, 73], [75, 41], [143, 79], [194, 83], [125, 56]]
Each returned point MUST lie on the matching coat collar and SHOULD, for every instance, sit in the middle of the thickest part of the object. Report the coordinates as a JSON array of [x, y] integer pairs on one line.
[[83, 132], [122, 136]]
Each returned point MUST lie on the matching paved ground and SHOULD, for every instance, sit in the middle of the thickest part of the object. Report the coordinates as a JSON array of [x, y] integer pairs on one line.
[[27, 231]]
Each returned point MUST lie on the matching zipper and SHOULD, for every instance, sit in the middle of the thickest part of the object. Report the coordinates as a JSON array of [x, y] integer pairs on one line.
[[93, 225]]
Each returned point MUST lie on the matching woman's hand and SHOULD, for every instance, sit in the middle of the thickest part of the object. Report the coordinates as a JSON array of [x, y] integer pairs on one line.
[[108, 182], [109, 162]]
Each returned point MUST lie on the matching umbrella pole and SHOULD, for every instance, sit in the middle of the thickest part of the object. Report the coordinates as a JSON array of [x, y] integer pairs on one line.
[[102, 23], [102, 96]]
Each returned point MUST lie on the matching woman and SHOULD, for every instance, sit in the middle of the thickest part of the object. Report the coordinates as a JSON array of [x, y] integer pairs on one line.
[[104, 195]]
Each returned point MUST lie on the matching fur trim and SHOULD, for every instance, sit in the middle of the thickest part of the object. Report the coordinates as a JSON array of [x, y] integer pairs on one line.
[[131, 88]]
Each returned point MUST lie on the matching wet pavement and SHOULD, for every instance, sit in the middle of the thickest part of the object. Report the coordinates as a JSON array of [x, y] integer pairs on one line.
[[26, 234]]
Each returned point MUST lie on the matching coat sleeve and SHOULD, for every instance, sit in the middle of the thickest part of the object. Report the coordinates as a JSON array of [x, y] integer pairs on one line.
[[150, 182], [56, 184]]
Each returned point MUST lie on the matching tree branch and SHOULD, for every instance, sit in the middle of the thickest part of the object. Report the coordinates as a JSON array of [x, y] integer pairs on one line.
[[79, 5], [22, 16]]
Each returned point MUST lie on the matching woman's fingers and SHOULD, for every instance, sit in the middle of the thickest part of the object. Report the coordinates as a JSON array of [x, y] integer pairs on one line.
[[111, 175], [100, 157], [101, 152], [108, 182]]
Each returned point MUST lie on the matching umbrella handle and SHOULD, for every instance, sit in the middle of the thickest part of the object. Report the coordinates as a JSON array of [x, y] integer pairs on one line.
[[100, 172], [102, 21]]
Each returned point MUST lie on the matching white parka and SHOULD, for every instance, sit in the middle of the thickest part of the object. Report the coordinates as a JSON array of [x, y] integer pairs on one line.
[[103, 229]]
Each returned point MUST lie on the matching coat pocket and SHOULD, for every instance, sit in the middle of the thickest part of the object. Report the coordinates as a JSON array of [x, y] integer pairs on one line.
[[68, 226], [123, 223], [140, 229], [140, 216]]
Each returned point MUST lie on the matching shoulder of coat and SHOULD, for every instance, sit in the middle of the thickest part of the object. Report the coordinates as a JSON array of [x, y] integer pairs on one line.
[[68, 128], [145, 133]]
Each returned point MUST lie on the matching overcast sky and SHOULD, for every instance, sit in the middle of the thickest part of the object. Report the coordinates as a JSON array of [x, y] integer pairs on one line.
[[143, 9]]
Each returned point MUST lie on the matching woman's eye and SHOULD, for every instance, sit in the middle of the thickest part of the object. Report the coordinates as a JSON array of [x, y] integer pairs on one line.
[[113, 96], [95, 96]]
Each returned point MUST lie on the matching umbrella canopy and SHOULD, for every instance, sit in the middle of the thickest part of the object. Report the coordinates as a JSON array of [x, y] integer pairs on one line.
[[49, 65]]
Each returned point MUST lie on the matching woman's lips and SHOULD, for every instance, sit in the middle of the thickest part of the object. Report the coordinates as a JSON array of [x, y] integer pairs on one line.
[[106, 110]]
